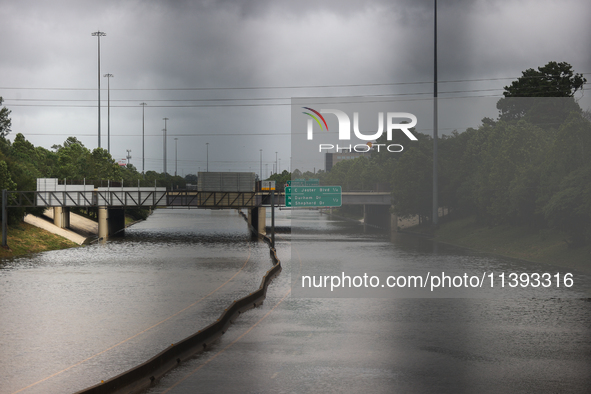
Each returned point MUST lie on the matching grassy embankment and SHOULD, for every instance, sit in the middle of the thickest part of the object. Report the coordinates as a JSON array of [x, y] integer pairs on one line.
[[24, 238], [526, 243]]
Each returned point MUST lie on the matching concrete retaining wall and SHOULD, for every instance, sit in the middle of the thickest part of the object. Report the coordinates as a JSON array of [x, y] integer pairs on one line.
[[148, 373]]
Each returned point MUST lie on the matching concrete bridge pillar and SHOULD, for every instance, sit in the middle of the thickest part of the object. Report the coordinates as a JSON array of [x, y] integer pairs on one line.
[[61, 217], [393, 222], [103, 217], [262, 228], [110, 221], [257, 218]]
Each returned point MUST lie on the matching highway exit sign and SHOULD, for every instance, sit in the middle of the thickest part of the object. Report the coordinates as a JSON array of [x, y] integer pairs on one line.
[[313, 196]]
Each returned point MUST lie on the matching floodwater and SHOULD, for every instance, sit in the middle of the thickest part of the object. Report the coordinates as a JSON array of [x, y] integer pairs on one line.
[[71, 318], [74, 317]]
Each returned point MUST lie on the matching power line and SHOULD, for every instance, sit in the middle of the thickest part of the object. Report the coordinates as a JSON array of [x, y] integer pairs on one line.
[[246, 105], [294, 86]]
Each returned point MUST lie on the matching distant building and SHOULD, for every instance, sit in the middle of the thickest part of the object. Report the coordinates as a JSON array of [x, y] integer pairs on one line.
[[331, 159]]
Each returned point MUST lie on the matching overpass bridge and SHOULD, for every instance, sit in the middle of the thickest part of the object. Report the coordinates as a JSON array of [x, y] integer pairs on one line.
[[111, 201]]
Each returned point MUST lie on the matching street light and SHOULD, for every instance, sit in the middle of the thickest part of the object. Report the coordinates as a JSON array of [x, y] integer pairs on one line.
[[143, 135], [275, 162], [207, 147], [435, 220], [108, 76], [99, 34], [165, 119], [261, 167], [175, 155]]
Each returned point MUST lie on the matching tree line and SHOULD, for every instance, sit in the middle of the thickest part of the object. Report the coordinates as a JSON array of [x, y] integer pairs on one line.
[[21, 163], [530, 166]]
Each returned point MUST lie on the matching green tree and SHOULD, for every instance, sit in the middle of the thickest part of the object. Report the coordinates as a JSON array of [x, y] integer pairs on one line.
[[569, 209], [191, 178], [412, 181], [72, 161], [552, 80], [280, 179], [6, 182], [5, 121]]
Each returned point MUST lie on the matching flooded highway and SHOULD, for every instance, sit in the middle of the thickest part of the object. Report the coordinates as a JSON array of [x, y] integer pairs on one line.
[[72, 318]]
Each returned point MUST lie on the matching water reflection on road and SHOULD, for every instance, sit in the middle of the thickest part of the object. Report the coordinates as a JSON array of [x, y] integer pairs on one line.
[[71, 318], [386, 345], [74, 317]]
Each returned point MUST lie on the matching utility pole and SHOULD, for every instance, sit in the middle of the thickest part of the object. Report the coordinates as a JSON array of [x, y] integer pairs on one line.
[[435, 220], [207, 147], [261, 167], [108, 76], [175, 155], [165, 119], [99, 34], [143, 138], [128, 156]]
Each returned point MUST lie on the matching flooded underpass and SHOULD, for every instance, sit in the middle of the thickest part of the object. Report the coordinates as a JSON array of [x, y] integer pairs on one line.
[[75, 317]]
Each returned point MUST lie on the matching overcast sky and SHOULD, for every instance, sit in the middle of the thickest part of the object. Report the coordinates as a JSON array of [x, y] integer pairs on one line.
[[224, 72]]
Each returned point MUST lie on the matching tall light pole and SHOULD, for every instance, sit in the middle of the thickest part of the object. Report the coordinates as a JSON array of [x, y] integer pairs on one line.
[[143, 135], [435, 197], [165, 119], [207, 147], [261, 167], [99, 34], [275, 162], [175, 155], [108, 76]]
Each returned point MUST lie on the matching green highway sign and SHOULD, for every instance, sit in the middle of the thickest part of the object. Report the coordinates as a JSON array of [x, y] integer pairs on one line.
[[313, 196], [304, 182]]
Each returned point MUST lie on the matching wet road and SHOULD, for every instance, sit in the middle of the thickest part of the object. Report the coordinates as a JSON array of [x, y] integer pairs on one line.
[[74, 317], [384, 345], [71, 318]]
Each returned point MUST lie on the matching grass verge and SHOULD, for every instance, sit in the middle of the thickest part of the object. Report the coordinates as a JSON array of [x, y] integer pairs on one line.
[[24, 238], [526, 243]]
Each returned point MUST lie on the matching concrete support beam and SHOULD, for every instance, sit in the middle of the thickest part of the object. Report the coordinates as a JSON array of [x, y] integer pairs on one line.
[[103, 225], [61, 217], [262, 225], [257, 218], [110, 222], [251, 215]]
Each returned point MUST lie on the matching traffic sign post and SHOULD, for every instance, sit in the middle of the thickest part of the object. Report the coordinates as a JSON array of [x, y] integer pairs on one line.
[[313, 196], [270, 186]]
